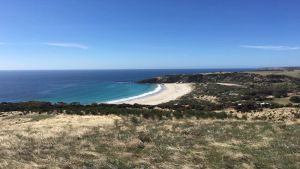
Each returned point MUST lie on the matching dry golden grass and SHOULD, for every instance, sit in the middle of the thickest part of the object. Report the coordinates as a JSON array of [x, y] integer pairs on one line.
[[52, 125], [277, 114], [68, 141]]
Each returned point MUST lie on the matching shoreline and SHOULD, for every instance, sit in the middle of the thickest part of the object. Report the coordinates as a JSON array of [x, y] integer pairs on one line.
[[158, 88], [168, 92]]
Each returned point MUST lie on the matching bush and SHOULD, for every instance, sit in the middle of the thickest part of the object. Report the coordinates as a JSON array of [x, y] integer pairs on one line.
[[295, 99], [145, 137], [134, 120]]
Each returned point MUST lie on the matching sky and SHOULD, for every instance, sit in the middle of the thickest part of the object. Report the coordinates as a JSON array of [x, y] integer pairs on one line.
[[148, 34]]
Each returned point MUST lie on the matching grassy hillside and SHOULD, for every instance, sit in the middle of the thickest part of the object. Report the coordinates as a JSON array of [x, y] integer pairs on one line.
[[292, 73], [71, 141]]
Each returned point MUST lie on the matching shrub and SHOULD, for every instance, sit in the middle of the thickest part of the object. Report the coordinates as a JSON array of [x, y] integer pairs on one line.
[[295, 99], [134, 120], [144, 137]]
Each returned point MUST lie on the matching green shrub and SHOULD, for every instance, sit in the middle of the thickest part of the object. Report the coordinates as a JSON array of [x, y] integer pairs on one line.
[[295, 99]]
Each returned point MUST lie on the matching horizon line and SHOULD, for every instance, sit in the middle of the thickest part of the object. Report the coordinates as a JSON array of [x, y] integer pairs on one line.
[[250, 67]]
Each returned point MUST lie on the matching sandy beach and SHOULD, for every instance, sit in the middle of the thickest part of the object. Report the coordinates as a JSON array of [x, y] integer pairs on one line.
[[170, 91]]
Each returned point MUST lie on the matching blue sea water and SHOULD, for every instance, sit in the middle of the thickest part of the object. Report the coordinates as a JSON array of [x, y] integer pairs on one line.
[[84, 86]]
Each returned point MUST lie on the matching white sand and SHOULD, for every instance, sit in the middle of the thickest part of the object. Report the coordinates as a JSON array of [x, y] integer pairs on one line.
[[170, 91]]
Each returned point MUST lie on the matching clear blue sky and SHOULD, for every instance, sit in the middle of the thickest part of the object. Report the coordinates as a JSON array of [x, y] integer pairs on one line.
[[120, 34]]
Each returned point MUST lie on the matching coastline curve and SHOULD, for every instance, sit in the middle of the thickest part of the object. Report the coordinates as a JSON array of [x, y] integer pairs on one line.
[[158, 89]]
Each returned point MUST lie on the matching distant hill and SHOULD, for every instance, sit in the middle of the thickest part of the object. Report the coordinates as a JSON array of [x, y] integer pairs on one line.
[[278, 69], [238, 78]]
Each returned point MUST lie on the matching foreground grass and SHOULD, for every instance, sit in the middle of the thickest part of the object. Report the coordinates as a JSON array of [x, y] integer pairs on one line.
[[130, 142]]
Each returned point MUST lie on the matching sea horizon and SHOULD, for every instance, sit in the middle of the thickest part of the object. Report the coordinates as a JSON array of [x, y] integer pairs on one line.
[[212, 68]]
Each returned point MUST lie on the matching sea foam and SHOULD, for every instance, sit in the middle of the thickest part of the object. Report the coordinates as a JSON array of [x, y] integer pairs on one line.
[[156, 90]]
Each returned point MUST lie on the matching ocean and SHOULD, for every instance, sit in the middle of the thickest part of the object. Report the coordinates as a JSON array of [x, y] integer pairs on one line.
[[84, 86]]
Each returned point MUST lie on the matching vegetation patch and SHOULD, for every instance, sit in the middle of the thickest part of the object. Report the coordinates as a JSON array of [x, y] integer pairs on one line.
[[295, 99], [146, 143]]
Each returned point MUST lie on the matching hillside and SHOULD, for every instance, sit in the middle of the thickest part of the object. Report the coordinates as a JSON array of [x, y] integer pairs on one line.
[[229, 120], [92, 141], [239, 78]]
